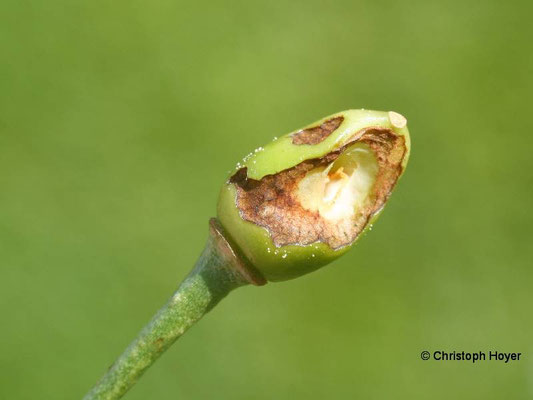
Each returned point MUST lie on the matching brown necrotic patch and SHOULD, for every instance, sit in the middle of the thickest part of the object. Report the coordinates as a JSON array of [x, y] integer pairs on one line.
[[272, 202], [318, 133]]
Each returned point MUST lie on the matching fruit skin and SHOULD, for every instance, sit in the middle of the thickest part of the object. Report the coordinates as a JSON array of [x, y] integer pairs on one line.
[[253, 241]]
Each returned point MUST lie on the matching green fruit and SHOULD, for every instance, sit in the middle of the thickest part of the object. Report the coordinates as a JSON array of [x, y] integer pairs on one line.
[[305, 198]]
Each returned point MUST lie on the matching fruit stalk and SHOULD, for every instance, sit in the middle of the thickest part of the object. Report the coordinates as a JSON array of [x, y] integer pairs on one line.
[[218, 271]]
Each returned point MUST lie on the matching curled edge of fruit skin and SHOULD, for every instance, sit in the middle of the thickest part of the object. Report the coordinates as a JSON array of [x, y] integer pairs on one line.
[[253, 241]]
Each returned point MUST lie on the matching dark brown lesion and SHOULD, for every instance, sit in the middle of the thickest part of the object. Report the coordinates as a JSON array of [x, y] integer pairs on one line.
[[272, 202], [318, 133]]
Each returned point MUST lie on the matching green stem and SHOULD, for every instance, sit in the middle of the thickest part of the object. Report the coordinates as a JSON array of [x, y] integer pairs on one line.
[[218, 271]]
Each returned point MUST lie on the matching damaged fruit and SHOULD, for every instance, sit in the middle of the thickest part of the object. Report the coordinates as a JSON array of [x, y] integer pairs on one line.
[[303, 200], [288, 208]]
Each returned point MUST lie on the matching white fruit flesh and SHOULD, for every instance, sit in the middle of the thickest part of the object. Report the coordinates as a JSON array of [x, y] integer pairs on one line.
[[340, 189]]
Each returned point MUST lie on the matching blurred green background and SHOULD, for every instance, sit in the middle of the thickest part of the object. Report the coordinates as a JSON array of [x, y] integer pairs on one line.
[[120, 120]]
